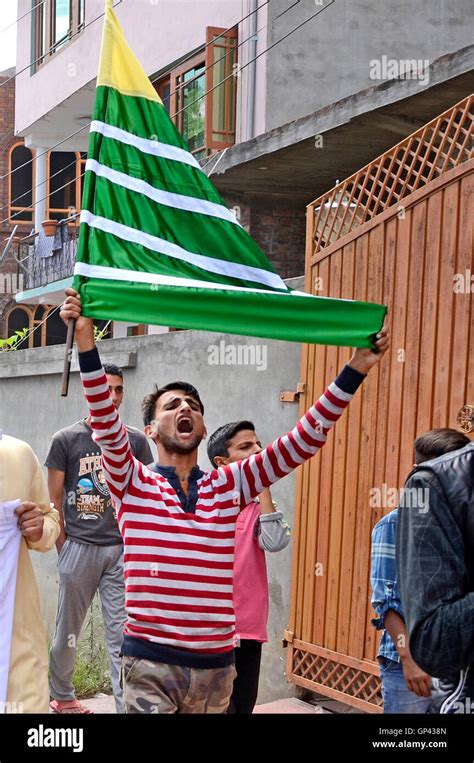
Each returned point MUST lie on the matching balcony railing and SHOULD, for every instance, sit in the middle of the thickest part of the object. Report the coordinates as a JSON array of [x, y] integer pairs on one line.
[[44, 259]]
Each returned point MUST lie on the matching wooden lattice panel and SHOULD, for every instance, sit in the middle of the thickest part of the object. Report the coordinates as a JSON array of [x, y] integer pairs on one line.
[[330, 676], [429, 152]]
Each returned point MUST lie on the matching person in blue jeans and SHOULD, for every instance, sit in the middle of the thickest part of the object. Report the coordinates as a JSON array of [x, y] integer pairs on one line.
[[406, 688]]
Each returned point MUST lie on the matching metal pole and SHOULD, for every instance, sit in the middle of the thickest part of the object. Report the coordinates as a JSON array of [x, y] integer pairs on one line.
[[68, 357]]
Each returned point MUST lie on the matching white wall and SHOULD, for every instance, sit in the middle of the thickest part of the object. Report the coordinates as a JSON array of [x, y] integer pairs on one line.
[[261, 71], [159, 32]]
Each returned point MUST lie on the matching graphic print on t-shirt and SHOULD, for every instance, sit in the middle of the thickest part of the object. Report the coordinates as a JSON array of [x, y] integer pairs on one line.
[[92, 493], [88, 513]]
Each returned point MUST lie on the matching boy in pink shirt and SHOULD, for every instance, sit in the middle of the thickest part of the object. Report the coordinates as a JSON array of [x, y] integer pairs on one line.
[[260, 527]]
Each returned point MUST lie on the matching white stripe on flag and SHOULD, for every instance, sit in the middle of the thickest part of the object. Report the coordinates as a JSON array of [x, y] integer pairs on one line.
[[174, 200], [154, 147], [119, 274], [156, 244]]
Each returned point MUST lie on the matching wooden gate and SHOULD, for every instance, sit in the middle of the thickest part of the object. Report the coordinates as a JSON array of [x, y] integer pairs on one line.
[[397, 232]]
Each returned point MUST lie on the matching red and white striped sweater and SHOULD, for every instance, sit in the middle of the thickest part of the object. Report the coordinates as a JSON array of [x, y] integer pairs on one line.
[[178, 566]]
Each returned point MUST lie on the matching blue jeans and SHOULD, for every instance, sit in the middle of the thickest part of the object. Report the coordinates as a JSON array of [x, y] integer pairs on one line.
[[397, 698]]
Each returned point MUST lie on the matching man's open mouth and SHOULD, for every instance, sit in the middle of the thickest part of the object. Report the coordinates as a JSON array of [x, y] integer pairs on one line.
[[185, 425]]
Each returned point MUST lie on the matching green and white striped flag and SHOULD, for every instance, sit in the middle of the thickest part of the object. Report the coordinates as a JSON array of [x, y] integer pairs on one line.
[[158, 245]]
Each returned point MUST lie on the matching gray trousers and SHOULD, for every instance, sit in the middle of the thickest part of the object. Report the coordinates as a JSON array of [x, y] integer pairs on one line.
[[83, 570]]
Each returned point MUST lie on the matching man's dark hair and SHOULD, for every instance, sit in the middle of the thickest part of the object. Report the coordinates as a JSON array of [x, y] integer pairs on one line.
[[112, 370], [218, 443], [437, 442], [149, 401]]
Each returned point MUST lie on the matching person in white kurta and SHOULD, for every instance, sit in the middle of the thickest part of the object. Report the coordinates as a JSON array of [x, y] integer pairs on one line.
[[25, 505]]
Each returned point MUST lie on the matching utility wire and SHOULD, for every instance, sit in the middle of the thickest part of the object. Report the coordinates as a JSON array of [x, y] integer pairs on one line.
[[38, 201], [270, 47], [84, 26], [244, 66], [12, 172], [71, 37], [221, 34], [50, 177], [12, 203], [164, 74], [21, 17]]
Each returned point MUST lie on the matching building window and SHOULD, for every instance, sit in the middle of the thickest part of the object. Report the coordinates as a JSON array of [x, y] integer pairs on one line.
[[55, 22], [200, 94], [18, 319], [50, 329], [60, 21], [21, 177], [221, 67], [54, 331], [189, 106], [38, 316], [65, 182], [39, 34]]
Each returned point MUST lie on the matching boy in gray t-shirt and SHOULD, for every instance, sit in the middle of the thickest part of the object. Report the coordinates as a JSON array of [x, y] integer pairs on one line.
[[87, 508], [90, 549]]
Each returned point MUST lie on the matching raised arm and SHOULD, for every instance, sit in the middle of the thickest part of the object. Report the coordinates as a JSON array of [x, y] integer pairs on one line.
[[259, 471], [110, 434]]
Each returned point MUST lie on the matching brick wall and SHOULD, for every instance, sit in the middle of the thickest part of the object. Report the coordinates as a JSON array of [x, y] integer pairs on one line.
[[280, 233], [7, 139]]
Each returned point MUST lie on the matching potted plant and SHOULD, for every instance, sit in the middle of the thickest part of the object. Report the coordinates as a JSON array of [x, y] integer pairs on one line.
[[49, 227]]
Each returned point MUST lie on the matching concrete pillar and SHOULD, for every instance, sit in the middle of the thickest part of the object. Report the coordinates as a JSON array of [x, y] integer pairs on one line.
[[40, 186]]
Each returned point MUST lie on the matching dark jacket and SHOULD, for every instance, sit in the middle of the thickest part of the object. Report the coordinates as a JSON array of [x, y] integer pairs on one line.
[[435, 559]]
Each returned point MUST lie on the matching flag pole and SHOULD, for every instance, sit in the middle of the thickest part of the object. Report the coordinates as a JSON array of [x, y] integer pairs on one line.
[[68, 357]]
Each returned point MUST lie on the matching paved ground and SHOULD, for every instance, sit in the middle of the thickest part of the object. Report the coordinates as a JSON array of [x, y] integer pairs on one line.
[[103, 703], [291, 705]]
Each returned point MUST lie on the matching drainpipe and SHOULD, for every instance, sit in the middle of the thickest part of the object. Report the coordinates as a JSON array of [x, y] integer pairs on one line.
[[252, 69]]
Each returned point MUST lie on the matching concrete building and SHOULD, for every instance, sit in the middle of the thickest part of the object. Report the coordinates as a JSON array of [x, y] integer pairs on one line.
[[344, 81], [305, 93], [58, 52]]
